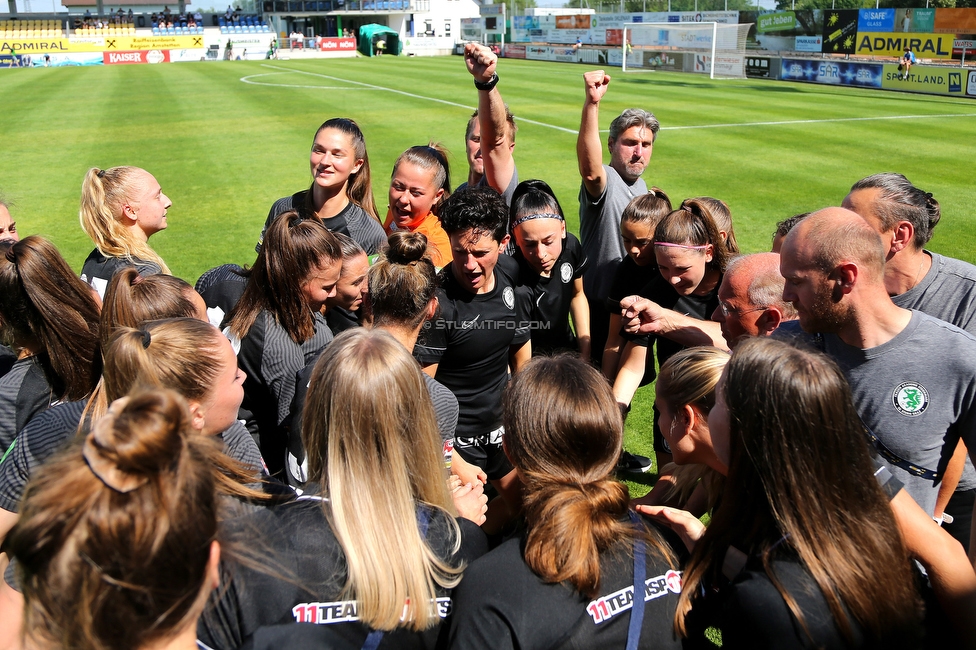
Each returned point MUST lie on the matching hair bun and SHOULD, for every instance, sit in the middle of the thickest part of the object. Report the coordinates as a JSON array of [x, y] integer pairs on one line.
[[140, 437], [406, 247]]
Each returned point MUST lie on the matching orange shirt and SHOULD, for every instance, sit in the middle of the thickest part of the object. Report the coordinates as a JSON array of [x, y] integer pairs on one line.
[[438, 245]]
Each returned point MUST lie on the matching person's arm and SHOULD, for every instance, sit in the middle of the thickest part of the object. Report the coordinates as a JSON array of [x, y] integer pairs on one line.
[[7, 521], [949, 571], [465, 471], [579, 308], [496, 143], [11, 611], [950, 478], [519, 355], [633, 362], [647, 317], [589, 149], [611, 351]]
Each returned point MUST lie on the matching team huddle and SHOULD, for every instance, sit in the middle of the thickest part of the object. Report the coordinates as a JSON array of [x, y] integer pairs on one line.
[[406, 430]]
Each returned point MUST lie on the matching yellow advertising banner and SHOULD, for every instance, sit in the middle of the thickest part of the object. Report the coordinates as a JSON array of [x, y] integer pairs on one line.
[[99, 44], [925, 46], [922, 79]]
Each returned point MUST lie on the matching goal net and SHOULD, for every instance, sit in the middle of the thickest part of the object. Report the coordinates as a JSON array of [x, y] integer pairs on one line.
[[716, 49]]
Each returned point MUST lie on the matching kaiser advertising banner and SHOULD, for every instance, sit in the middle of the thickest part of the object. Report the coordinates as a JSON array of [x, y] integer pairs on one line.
[[925, 46], [838, 73], [839, 31], [141, 56]]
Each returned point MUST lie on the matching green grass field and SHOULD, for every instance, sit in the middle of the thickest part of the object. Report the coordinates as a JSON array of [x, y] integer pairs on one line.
[[227, 139]]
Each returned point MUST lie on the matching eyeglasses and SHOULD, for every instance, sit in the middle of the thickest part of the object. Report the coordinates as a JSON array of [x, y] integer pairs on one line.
[[732, 311]]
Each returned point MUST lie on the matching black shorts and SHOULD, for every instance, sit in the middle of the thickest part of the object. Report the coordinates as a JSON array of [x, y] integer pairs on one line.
[[486, 452]]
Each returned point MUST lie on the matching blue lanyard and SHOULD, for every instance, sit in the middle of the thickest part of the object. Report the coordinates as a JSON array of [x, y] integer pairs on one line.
[[423, 522], [640, 577]]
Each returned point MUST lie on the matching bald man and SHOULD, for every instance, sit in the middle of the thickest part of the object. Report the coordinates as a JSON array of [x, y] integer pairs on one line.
[[750, 298], [913, 377], [905, 217]]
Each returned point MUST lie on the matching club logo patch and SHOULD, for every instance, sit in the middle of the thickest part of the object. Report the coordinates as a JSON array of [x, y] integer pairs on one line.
[[910, 399], [566, 272], [508, 297]]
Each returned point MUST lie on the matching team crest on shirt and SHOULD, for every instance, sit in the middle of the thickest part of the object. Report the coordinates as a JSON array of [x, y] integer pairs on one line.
[[910, 398], [508, 297], [566, 272]]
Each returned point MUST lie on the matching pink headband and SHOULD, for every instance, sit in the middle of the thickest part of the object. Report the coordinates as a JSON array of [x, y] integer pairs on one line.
[[694, 248]]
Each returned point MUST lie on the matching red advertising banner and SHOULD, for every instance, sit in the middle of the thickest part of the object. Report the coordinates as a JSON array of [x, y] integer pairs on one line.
[[515, 51], [139, 56], [615, 37], [573, 22], [337, 44], [955, 21]]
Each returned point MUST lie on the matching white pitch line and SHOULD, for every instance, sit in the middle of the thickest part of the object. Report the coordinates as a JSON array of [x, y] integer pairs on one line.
[[248, 78], [415, 96], [663, 128]]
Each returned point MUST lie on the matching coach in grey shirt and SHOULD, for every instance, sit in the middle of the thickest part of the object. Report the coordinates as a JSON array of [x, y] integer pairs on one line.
[[606, 190]]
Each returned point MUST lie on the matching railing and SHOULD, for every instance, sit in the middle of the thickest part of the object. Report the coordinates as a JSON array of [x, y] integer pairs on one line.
[[325, 6]]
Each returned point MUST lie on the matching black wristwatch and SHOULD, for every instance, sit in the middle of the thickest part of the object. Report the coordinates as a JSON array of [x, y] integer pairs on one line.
[[487, 85]]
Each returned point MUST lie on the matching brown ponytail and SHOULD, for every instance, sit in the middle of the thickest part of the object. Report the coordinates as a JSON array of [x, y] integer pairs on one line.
[[45, 305], [402, 282], [114, 537], [293, 247], [131, 300], [563, 432]]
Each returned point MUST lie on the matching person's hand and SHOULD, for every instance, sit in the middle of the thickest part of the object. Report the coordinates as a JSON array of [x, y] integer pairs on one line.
[[470, 499], [686, 525], [465, 471], [641, 316], [481, 61], [596, 85]]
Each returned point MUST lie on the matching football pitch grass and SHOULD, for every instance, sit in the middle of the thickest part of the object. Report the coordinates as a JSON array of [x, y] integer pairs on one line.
[[226, 139]]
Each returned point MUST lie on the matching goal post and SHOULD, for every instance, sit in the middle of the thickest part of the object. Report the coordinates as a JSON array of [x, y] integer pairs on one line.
[[718, 48]]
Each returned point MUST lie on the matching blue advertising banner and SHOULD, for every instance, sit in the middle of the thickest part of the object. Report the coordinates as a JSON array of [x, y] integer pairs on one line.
[[876, 20], [842, 73]]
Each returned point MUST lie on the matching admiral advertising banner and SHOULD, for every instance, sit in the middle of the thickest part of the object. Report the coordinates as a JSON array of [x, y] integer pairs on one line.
[[141, 56], [838, 73], [100, 44], [925, 46], [922, 79], [839, 31]]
